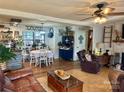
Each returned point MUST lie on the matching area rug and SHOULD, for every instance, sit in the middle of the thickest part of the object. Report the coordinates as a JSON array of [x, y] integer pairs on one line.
[[92, 82]]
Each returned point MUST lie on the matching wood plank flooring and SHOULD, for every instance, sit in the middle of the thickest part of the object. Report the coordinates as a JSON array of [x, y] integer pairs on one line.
[[58, 64], [92, 82]]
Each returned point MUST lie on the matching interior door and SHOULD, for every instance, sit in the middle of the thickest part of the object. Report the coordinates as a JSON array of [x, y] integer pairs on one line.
[[89, 44]]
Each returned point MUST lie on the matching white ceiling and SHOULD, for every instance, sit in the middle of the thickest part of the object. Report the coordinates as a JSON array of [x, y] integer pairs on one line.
[[66, 9]]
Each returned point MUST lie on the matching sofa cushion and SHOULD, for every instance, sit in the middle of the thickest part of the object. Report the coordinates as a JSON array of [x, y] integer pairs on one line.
[[8, 84], [116, 78], [113, 75], [121, 86], [120, 77], [121, 82]]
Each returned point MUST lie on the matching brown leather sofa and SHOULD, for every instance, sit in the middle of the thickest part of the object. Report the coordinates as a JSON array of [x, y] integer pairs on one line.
[[19, 81], [116, 78]]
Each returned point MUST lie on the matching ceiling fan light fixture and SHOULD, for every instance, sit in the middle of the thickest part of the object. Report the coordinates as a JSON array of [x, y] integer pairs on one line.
[[103, 20], [100, 20], [96, 20]]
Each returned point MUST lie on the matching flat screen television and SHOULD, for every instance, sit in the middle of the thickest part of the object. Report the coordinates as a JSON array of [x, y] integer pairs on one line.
[[123, 31], [122, 62]]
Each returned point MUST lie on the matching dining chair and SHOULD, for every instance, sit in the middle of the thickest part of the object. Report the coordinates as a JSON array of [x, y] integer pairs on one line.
[[37, 59], [25, 55], [40, 47], [43, 58], [50, 57], [47, 48], [32, 59]]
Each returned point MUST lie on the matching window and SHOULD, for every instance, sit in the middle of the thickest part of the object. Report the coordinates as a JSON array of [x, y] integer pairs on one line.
[[30, 37], [40, 36]]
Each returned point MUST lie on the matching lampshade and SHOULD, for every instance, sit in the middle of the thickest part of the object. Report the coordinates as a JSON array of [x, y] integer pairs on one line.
[[100, 45]]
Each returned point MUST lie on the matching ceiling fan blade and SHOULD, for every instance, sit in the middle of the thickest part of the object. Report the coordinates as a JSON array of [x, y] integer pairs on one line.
[[83, 14], [85, 11], [108, 10], [87, 18], [116, 14]]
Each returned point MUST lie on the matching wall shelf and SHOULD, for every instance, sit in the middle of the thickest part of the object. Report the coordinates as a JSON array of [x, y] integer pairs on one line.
[[118, 41]]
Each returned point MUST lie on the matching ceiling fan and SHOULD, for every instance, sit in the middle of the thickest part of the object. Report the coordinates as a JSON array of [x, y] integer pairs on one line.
[[101, 12]]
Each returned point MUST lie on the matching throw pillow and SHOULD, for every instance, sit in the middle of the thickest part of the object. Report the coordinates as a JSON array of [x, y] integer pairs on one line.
[[88, 57]]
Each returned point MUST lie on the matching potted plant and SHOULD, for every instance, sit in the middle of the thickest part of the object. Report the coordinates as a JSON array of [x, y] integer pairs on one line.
[[5, 55]]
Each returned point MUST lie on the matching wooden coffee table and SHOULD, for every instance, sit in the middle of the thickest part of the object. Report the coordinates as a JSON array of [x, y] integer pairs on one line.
[[70, 85]]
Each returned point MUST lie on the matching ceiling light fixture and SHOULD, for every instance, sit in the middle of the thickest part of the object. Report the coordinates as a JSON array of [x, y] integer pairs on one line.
[[100, 20]]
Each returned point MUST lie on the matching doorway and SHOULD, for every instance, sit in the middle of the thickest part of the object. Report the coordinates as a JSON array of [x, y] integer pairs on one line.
[[90, 37]]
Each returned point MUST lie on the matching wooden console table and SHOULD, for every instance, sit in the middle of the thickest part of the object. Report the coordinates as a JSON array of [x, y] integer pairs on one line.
[[104, 59], [70, 85]]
